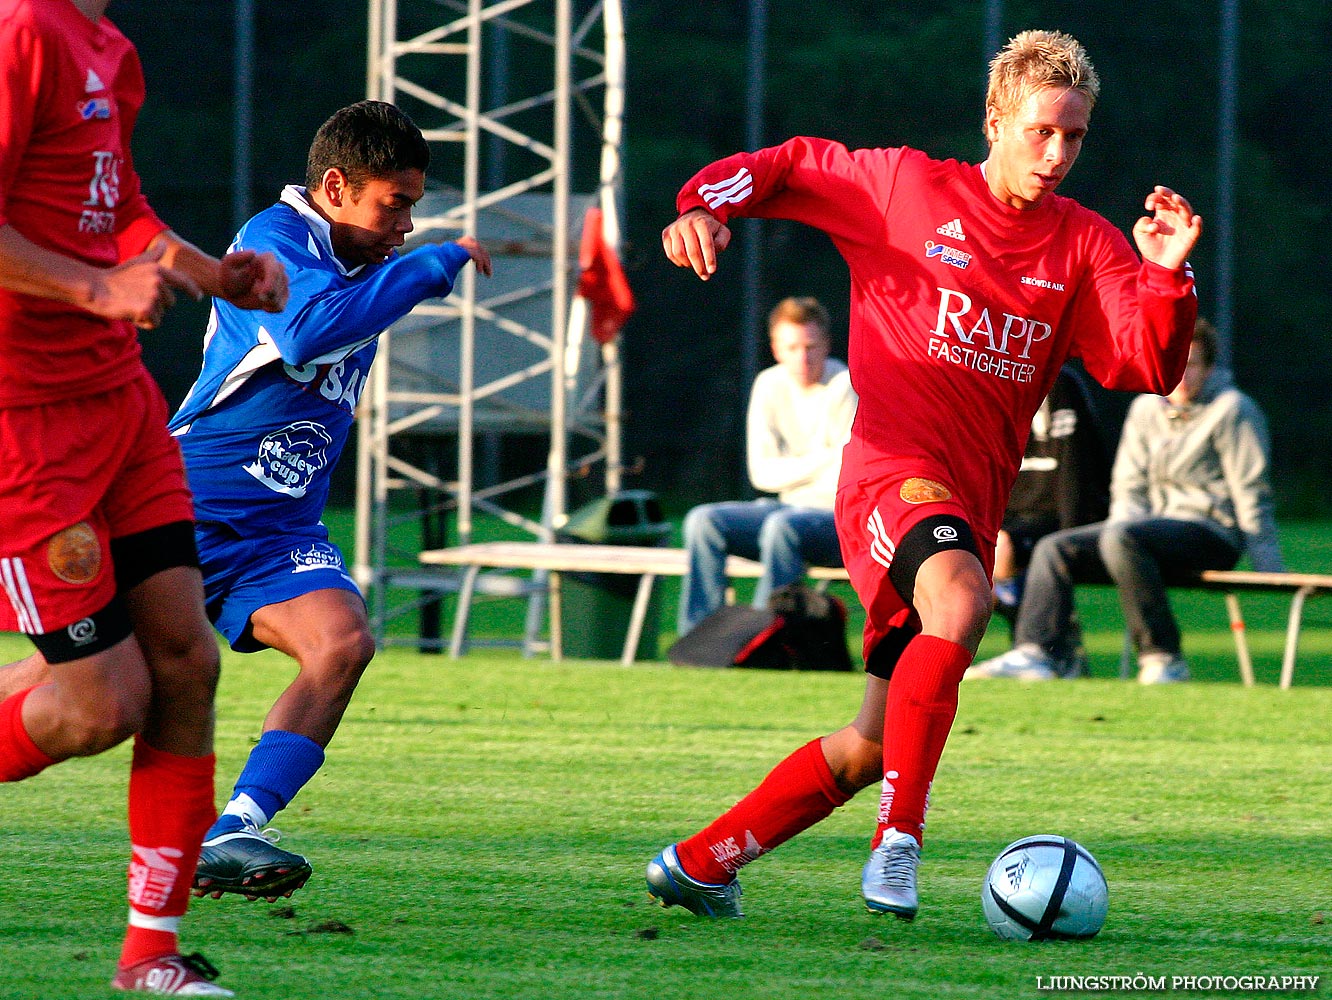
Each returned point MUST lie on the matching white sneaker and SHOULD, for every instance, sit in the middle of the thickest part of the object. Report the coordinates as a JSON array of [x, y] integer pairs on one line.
[[1024, 663], [1162, 668]]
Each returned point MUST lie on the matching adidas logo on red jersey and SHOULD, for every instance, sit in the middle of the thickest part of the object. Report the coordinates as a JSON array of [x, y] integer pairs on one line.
[[953, 230]]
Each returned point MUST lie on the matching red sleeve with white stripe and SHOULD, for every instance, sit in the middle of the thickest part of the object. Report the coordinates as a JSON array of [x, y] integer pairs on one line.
[[815, 181]]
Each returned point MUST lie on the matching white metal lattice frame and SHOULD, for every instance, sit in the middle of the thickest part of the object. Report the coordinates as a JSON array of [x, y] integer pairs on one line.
[[586, 405]]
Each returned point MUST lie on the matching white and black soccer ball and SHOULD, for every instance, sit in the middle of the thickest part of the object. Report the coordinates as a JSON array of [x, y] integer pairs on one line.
[[1045, 888]]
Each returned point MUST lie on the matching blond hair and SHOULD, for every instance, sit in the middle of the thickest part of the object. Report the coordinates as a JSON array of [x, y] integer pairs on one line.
[[1037, 59], [800, 310]]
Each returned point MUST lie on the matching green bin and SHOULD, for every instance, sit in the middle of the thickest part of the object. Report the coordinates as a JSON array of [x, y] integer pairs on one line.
[[596, 607]]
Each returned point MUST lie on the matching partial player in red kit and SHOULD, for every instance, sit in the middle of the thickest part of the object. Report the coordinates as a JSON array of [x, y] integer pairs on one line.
[[970, 287], [97, 559]]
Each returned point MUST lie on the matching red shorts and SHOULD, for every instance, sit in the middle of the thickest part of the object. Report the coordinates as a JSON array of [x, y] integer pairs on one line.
[[873, 516], [75, 474]]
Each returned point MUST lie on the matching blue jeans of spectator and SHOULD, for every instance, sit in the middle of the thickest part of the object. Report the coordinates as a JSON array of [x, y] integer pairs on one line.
[[784, 539], [1140, 557]]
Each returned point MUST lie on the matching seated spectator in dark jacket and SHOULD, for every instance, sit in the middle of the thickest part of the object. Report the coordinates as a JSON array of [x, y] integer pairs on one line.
[[1064, 482]]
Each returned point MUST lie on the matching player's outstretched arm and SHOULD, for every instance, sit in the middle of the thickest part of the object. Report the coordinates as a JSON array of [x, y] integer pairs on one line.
[[694, 240], [246, 279], [140, 289], [479, 254], [1168, 235]]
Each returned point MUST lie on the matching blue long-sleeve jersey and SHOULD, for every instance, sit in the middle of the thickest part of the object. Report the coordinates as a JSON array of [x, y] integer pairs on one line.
[[267, 419]]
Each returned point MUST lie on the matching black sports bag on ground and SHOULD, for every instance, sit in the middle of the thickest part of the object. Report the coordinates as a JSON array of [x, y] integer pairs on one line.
[[801, 629]]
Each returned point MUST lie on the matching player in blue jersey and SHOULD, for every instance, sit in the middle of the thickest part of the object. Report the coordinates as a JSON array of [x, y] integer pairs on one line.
[[261, 430]]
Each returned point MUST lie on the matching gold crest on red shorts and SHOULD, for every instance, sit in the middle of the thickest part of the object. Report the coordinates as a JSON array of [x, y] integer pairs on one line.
[[916, 490], [75, 555]]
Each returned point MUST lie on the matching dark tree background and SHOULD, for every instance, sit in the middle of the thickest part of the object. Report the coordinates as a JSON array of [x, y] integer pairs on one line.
[[862, 72]]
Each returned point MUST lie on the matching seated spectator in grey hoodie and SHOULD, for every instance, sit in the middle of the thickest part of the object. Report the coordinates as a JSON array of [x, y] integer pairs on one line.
[[1189, 491]]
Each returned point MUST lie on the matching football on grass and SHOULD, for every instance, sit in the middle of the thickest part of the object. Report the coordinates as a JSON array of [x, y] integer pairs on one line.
[[1045, 888]]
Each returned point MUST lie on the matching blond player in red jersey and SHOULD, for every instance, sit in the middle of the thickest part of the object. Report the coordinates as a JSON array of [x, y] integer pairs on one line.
[[970, 287], [97, 557]]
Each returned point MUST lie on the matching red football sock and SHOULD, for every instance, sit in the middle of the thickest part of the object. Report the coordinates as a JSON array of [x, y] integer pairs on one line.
[[922, 702], [19, 756], [170, 808], [795, 795]]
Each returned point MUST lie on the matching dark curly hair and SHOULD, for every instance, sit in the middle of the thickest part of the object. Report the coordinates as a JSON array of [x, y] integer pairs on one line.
[[366, 140]]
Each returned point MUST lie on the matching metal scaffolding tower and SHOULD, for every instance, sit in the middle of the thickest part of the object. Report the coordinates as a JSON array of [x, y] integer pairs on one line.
[[505, 92]]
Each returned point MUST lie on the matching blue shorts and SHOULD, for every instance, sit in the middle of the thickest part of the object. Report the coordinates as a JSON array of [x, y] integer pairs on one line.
[[242, 575]]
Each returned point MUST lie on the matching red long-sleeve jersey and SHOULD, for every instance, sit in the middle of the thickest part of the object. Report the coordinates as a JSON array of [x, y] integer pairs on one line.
[[70, 91], [963, 309]]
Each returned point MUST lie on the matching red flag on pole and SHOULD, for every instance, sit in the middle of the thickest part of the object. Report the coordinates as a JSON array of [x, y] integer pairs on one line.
[[602, 282]]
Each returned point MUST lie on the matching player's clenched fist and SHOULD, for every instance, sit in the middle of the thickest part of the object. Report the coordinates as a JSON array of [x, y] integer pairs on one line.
[[694, 240], [140, 289], [253, 281]]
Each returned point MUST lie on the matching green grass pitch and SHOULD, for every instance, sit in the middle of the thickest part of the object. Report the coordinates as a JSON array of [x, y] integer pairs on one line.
[[481, 827]]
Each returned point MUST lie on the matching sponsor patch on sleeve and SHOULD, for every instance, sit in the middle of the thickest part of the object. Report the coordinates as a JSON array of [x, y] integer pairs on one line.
[[917, 490], [75, 554]]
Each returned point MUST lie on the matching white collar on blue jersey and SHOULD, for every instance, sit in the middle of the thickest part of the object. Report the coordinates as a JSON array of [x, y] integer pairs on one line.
[[321, 239]]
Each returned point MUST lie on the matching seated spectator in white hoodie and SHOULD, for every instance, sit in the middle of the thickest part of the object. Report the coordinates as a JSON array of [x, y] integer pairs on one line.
[[1189, 492], [800, 413]]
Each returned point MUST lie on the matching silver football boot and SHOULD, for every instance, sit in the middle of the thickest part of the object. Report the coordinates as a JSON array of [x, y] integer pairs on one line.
[[888, 882], [670, 886]]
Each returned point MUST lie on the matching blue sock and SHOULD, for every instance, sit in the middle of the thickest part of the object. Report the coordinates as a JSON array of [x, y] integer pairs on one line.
[[279, 766]]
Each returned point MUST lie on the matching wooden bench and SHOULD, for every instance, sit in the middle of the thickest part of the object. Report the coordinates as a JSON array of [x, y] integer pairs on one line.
[[646, 562], [652, 562], [1300, 586]]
